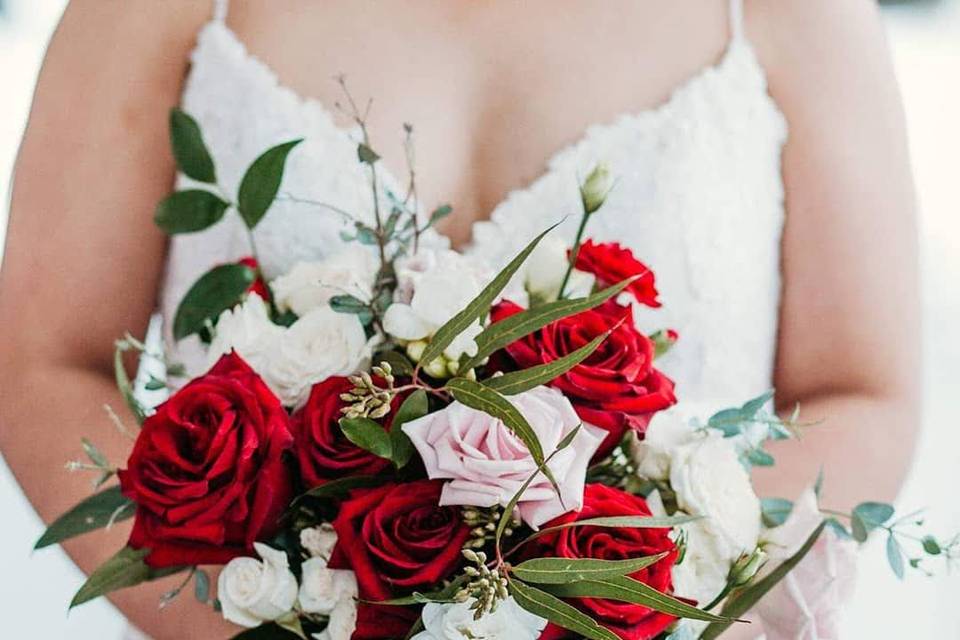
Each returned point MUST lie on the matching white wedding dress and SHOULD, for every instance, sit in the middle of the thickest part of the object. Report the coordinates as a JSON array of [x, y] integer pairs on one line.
[[699, 198]]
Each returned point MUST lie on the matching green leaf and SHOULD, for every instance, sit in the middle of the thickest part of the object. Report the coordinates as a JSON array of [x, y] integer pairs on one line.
[[760, 458], [563, 570], [839, 529], [125, 569], [400, 364], [858, 529], [439, 214], [477, 308], [261, 182], [482, 398], [895, 556], [626, 589], [621, 522], [189, 151], [201, 586], [931, 546], [366, 154], [499, 334], [415, 406], [873, 514], [95, 455], [526, 379], [268, 631], [742, 600], [189, 211], [349, 304], [751, 407], [124, 385], [368, 435], [94, 512], [341, 487], [441, 595], [216, 291], [557, 611], [775, 511]]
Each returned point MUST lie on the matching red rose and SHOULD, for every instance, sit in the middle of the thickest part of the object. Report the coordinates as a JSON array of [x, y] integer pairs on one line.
[[323, 451], [629, 621], [397, 539], [207, 470], [616, 388], [259, 285], [380, 622], [611, 264]]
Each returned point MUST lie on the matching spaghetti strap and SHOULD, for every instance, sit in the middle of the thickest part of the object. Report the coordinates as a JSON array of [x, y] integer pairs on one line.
[[220, 8], [736, 19]]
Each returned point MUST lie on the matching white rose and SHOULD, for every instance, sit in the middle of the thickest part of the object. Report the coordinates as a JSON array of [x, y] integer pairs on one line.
[[290, 360], [320, 344], [342, 621], [454, 621], [319, 541], [321, 589], [432, 287], [652, 456], [545, 268], [252, 592], [309, 285]]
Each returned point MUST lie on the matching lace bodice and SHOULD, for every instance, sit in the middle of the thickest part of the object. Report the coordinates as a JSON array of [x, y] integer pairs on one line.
[[699, 198]]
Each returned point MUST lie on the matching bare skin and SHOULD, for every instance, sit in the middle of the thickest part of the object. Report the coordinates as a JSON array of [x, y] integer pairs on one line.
[[83, 261]]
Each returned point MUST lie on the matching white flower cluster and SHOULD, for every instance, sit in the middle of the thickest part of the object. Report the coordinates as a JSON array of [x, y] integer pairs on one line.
[[252, 592], [455, 621]]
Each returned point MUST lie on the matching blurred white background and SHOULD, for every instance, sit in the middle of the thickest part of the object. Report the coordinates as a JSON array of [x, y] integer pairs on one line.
[[925, 36]]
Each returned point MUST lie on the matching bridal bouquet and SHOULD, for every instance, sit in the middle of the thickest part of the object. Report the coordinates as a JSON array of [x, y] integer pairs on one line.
[[397, 441]]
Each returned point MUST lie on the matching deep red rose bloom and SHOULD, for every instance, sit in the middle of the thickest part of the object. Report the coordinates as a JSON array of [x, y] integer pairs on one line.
[[259, 285], [616, 388], [323, 451], [397, 538], [629, 621], [375, 622], [611, 264], [207, 470]]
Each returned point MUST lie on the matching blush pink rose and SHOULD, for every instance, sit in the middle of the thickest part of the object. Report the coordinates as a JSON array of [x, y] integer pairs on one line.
[[485, 463]]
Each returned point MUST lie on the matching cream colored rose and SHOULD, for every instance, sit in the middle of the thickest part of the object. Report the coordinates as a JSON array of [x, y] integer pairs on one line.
[[309, 285], [455, 621], [253, 591]]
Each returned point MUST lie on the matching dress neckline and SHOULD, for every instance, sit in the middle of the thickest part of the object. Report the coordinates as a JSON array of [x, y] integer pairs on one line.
[[738, 49]]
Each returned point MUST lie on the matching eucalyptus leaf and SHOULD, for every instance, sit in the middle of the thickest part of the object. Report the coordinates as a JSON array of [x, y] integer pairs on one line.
[[564, 570], [500, 334], [931, 546], [895, 556], [873, 514], [125, 569], [260, 183], [189, 151], [775, 511], [557, 611], [760, 458], [477, 308], [415, 406], [840, 530], [742, 600], [368, 435], [189, 211], [858, 528], [216, 291], [526, 379], [439, 214], [752, 407], [201, 586], [621, 522], [94, 512], [625, 589]]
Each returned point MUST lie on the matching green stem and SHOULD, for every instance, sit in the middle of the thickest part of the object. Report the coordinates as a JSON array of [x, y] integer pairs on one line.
[[574, 253]]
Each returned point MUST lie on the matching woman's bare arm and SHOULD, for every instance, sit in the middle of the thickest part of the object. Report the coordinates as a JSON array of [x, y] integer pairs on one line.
[[83, 260], [849, 345]]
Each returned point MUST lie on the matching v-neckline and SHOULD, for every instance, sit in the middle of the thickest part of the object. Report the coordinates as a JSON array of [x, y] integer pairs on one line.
[[736, 44]]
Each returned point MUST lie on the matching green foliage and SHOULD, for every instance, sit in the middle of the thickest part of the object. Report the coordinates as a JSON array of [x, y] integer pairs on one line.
[[201, 586], [189, 151], [731, 421], [366, 154], [526, 379], [216, 291], [415, 406], [340, 488], [124, 385], [867, 516], [189, 211], [558, 612], [368, 435], [260, 183], [477, 308], [94, 512], [895, 555], [775, 511], [125, 569], [346, 303], [564, 570]]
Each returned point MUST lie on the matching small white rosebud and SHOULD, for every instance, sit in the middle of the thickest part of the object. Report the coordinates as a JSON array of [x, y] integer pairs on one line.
[[595, 188], [747, 567]]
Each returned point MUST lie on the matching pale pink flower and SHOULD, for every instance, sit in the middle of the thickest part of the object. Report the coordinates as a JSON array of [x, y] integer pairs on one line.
[[486, 463]]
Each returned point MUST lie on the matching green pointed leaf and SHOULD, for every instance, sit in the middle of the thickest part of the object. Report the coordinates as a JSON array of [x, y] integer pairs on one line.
[[775, 511], [341, 487], [626, 589], [366, 154], [96, 456], [558, 612], [526, 379], [368, 435], [189, 151], [439, 214], [931, 546], [895, 556], [189, 211], [858, 529], [499, 334], [201, 586], [441, 595], [261, 182], [415, 406], [217, 290], [477, 308], [621, 522], [563, 570], [124, 385], [751, 407], [400, 363], [839, 529], [125, 569], [742, 600], [94, 512]]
